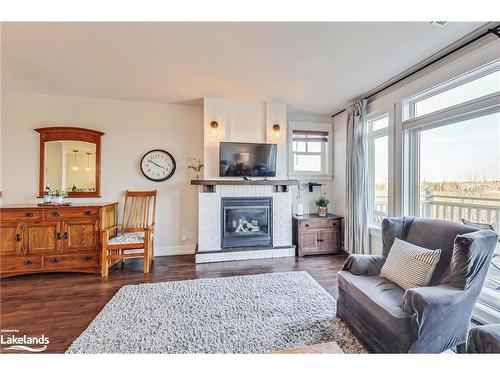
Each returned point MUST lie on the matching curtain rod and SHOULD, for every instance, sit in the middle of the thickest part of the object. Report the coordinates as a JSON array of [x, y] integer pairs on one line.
[[494, 30]]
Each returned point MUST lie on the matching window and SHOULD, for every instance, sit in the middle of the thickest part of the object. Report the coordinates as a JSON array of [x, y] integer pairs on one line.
[[378, 167], [474, 85], [310, 149], [452, 165]]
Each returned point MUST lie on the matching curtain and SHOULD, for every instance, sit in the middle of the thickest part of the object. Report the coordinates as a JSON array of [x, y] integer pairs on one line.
[[356, 215]]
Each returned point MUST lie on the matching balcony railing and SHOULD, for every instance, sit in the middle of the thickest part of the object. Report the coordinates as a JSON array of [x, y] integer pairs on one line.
[[453, 208]]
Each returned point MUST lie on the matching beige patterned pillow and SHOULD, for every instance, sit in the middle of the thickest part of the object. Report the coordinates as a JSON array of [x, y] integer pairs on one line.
[[408, 265]]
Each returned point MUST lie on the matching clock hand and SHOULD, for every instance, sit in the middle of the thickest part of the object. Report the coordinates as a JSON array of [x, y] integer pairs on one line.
[[158, 165]]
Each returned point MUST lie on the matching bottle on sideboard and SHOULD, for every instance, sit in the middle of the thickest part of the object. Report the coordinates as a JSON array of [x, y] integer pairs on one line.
[[47, 198]]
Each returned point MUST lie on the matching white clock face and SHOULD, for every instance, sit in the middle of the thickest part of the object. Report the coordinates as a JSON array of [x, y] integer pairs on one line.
[[158, 165]]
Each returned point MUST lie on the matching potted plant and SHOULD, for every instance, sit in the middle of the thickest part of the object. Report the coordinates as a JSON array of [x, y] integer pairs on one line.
[[59, 196], [196, 165], [322, 204]]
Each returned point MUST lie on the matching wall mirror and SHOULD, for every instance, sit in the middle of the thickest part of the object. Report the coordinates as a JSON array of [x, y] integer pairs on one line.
[[70, 161]]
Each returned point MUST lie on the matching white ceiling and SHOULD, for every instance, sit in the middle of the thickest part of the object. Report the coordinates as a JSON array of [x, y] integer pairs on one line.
[[313, 67]]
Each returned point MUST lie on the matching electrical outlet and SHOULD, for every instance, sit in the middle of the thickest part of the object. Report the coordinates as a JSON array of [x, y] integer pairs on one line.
[[184, 235]]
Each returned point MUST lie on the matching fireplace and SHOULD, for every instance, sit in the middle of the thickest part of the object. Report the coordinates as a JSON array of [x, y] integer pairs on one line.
[[246, 222]]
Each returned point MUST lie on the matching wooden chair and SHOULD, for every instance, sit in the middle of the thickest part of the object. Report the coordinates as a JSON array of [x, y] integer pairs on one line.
[[137, 232]]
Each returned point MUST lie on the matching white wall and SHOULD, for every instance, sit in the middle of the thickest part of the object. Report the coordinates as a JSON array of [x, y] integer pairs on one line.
[[131, 129], [242, 121]]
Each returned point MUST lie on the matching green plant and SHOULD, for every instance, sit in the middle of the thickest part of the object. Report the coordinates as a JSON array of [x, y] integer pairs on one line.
[[195, 164], [322, 202], [59, 193]]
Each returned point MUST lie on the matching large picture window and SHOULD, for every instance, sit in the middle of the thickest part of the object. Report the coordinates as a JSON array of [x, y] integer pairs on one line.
[[452, 166]]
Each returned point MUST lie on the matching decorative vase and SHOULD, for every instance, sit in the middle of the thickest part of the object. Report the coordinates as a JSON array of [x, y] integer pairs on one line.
[[322, 211]]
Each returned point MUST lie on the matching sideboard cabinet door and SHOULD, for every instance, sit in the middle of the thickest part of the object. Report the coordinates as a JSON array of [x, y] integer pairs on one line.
[[80, 235], [42, 237], [10, 238]]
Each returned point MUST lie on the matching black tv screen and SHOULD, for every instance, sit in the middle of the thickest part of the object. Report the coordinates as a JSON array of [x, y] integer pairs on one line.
[[247, 159]]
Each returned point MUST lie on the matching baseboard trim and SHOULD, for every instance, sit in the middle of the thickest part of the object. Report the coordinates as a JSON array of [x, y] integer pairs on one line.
[[162, 251]]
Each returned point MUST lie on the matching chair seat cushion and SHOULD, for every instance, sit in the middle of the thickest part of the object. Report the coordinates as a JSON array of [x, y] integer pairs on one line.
[[127, 238], [382, 298]]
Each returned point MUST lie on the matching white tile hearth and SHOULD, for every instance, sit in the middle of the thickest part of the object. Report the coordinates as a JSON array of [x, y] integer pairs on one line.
[[223, 256]]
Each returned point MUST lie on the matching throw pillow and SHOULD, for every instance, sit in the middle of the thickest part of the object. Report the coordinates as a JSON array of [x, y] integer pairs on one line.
[[409, 265]]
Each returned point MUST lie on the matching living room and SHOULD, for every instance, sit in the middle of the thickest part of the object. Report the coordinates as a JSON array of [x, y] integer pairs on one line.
[[322, 186]]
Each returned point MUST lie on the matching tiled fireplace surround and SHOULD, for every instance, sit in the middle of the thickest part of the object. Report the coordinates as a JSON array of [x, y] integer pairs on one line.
[[209, 224]]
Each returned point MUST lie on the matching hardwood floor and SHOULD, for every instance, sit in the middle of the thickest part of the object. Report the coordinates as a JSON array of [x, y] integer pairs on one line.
[[61, 305]]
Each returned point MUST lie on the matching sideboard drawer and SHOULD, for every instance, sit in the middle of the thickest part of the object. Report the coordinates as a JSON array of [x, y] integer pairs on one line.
[[20, 215], [319, 224], [21, 264], [70, 213], [60, 262]]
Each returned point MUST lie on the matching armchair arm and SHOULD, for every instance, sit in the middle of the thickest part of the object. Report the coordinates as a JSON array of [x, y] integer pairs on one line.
[[111, 227], [105, 231], [440, 317], [361, 264]]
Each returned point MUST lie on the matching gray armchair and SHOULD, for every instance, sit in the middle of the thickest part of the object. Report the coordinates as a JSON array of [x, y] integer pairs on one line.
[[429, 319]]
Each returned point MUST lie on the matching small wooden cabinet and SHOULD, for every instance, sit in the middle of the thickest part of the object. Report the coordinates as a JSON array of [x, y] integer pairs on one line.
[[313, 234], [52, 238]]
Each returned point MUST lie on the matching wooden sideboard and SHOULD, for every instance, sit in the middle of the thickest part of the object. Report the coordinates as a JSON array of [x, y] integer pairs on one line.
[[52, 238], [313, 234]]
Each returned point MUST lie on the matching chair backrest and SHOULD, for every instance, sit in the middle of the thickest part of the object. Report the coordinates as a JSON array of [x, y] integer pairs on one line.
[[437, 234], [139, 210], [429, 233]]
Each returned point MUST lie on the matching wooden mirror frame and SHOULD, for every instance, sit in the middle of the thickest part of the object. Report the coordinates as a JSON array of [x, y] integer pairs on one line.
[[63, 133]]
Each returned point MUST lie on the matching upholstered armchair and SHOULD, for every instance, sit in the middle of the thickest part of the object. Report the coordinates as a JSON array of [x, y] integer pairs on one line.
[[427, 319]]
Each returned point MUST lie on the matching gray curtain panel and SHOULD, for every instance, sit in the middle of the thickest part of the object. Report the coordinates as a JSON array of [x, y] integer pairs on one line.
[[356, 216]]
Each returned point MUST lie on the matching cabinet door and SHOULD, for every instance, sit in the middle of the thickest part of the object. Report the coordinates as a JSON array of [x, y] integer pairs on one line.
[[80, 235], [309, 241], [42, 237], [329, 240], [10, 238]]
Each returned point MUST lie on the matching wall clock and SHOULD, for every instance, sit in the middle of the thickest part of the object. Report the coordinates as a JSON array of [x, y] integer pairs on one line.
[[158, 165]]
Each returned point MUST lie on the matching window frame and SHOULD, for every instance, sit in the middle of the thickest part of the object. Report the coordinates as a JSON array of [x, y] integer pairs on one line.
[[326, 171], [409, 103], [372, 136], [411, 130]]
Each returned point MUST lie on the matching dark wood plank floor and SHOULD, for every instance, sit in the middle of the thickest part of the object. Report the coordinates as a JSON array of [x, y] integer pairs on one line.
[[61, 305]]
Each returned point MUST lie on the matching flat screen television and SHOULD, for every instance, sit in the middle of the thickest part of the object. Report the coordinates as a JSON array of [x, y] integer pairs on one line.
[[247, 159]]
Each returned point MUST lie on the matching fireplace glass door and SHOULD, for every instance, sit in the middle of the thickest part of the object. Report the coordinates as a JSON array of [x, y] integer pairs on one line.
[[246, 222]]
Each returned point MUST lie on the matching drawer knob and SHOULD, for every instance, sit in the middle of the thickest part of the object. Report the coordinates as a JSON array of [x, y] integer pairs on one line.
[[55, 213], [87, 258], [55, 260], [28, 262], [65, 235], [28, 214], [320, 240], [306, 225], [87, 213], [18, 237], [58, 236]]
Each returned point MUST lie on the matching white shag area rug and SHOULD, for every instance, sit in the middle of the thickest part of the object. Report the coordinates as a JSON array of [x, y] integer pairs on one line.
[[240, 314]]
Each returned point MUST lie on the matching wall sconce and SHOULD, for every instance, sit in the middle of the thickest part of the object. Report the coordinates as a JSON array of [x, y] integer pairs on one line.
[[276, 132], [214, 130]]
